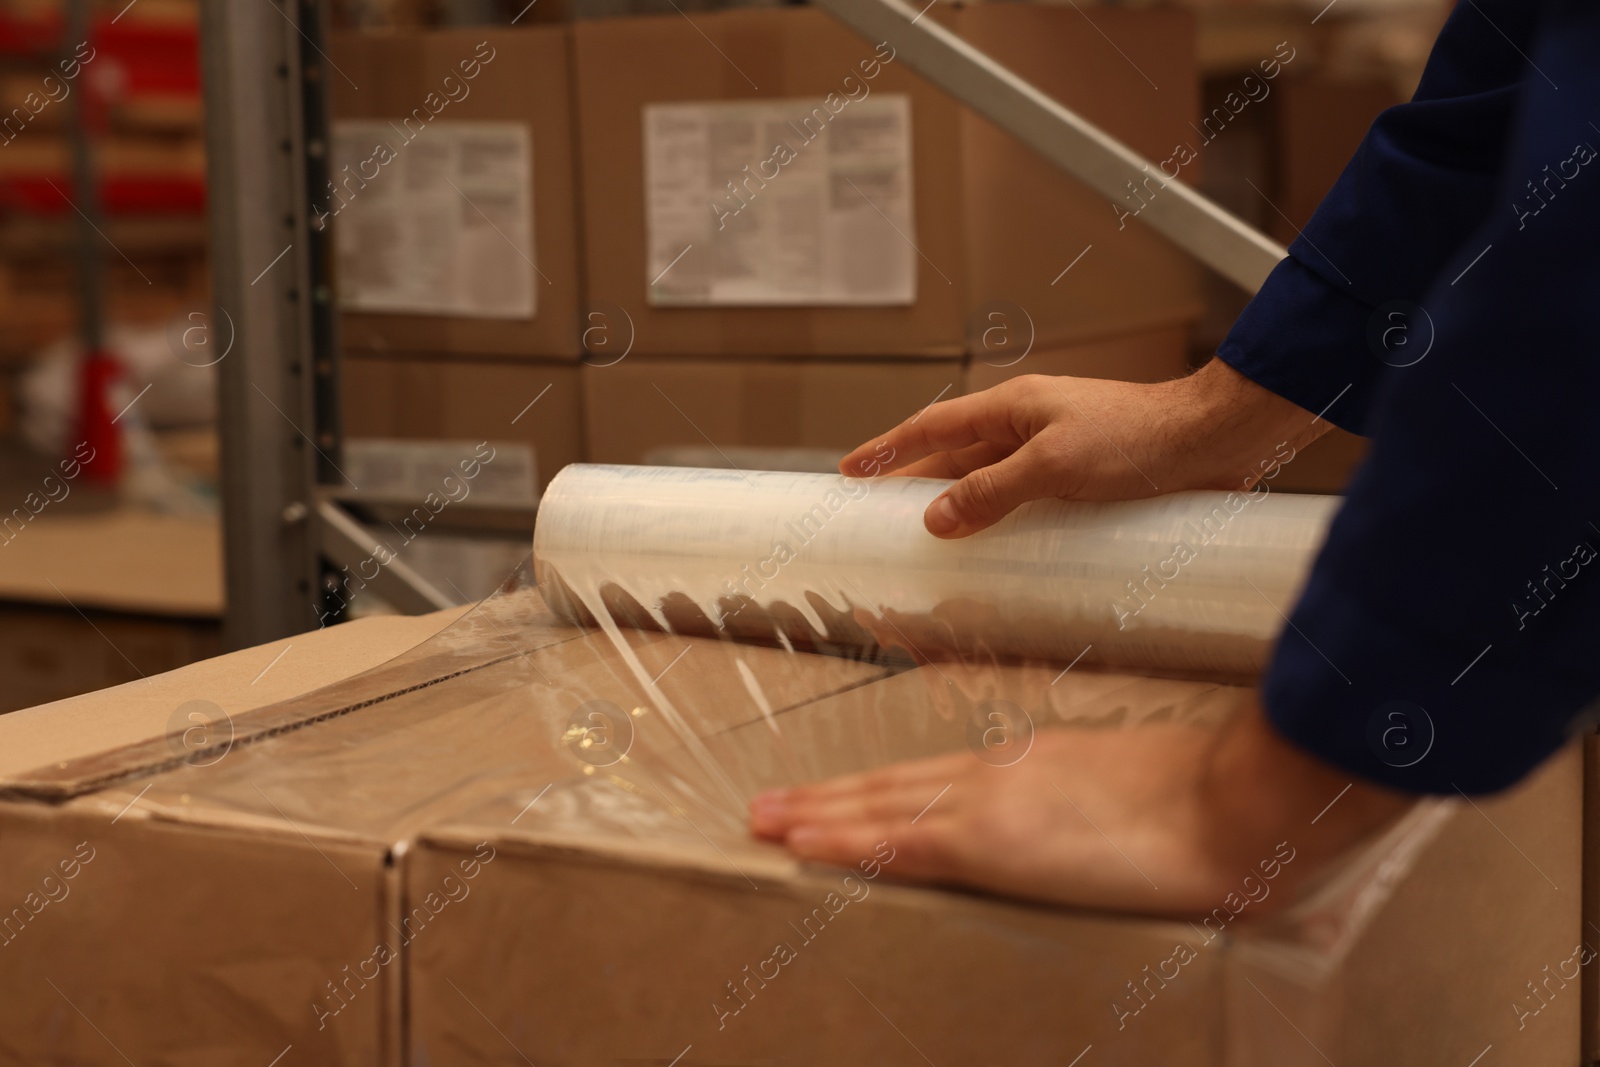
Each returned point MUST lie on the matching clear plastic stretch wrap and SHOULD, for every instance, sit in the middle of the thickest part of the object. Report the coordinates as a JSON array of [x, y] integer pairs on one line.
[[606, 774], [1193, 581]]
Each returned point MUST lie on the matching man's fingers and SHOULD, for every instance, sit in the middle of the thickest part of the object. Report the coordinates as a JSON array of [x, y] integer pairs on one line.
[[957, 464], [904, 790], [942, 427], [986, 496], [898, 850], [893, 777], [898, 806]]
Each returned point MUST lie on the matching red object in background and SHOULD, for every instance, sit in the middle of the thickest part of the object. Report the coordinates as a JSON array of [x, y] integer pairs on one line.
[[120, 195], [131, 59], [153, 57], [96, 425]]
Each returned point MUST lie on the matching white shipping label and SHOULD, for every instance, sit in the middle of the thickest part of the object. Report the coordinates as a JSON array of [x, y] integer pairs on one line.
[[781, 203], [436, 221], [474, 473]]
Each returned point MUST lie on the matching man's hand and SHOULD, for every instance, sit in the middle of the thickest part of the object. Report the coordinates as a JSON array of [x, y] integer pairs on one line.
[[1037, 437], [1156, 819]]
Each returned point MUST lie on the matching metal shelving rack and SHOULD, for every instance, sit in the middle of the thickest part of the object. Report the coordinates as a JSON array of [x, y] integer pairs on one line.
[[265, 70]]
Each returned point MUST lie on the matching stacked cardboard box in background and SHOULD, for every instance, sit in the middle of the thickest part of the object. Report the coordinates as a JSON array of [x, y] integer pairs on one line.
[[685, 190], [772, 234], [1061, 280], [454, 206], [753, 231], [453, 198]]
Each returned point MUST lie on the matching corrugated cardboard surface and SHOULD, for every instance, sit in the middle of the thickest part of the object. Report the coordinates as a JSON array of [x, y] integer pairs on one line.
[[100, 598], [1438, 976], [566, 936], [526, 81], [237, 895], [187, 944], [642, 404], [586, 879], [140, 711], [252, 873], [435, 397], [122, 560], [1590, 984], [1131, 73], [600, 959], [49, 654], [623, 64]]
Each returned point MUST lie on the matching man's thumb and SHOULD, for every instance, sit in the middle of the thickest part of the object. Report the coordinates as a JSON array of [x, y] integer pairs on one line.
[[981, 499]]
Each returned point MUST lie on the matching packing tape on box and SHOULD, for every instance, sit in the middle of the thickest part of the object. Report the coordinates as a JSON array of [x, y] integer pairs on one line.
[[1192, 582]]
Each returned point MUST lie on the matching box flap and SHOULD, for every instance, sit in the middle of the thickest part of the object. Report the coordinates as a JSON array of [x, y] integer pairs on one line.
[[83, 726]]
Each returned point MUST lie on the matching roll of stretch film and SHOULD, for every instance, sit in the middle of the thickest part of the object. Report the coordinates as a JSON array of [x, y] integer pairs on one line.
[[1192, 581]]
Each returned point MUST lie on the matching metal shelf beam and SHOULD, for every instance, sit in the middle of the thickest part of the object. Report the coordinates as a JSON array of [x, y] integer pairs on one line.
[[1226, 244]]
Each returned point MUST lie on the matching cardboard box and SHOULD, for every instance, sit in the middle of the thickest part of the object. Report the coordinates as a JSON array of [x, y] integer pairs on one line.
[[51, 653], [522, 78], [1039, 241], [640, 406], [251, 858], [796, 55], [568, 935], [1320, 123], [446, 398], [446, 859], [1591, 889], [1150, 356]]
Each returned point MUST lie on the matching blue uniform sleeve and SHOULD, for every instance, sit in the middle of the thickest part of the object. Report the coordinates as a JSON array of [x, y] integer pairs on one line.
[[1319, 332], [1448, 638]]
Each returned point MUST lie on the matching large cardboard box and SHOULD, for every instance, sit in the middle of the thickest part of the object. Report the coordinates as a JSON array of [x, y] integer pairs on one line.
[[637, 408], [451, 243], [807, 64], [1040, 244], [50, 653], [90, 598], [494, 849], [228, 883], [445, 398], [764, 961]]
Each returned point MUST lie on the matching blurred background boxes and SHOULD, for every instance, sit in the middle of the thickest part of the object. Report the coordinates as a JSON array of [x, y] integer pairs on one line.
[[400, 233], [432, 398], [794, 56], [91, 598], [716, 411], [1009, 257], [526, 413], [1040, 240], [1152, 355]]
